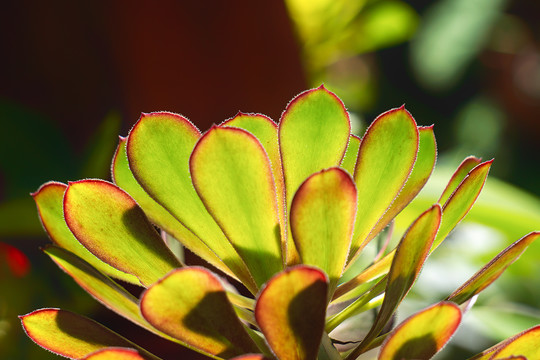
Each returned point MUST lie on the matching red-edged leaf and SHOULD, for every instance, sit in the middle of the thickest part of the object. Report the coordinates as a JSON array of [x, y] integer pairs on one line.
[[461, 200], [115, 354], [313, 134], [233, 176], [489, 273], [409, 258], [290, 312], [71, 335], [157, 214], [322, 220], [49, 202], [385, 160], [191, 305], [158, 149], [110, 224], [523, 344], [461, 172], [266, 131], [251, 357], [422, 335]]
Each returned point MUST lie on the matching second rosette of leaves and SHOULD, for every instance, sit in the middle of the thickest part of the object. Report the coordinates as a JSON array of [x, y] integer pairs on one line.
[[284, 210]]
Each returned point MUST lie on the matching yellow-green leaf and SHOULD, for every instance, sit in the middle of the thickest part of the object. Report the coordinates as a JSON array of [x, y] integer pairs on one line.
[[158, 150], [489, 273], [422, 335], [110, 224], [115, 353], [524, 344], [233, 176], [410, 255], [266, 131], [322, 220], [123, 177], [70, 335], [49, 202], [461, 200], [290, 312], [461, 172], [313, 135], [191, 305], [385, 160], [351, 154]]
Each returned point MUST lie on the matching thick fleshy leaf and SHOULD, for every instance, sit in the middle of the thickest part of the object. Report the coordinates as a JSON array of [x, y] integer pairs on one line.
[[290, 311], [251, 357], [351, 154], [523, 344], [266, 131], [322, 220], [423, 167], [70, 335], [461, 200], [49, 201], [489, 273], [110, 224], [115, 354], [422, 335], [158, 149], [123, 177], [313, 135], [191, 305], [385, 160], [410, 255], [461, 172], [233, 176]]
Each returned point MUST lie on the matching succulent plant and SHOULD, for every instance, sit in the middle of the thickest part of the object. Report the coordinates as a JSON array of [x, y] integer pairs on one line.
[[279, 213]]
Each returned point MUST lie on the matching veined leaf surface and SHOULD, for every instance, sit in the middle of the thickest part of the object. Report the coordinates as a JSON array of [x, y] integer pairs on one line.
[[290, 311], [110, 224], [191, 305], [233, 176]]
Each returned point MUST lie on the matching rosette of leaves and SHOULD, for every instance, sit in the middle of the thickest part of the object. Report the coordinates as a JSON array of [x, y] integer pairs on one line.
[[279, 210]]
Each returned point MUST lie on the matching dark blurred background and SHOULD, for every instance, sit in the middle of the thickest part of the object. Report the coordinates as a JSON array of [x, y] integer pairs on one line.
[[75, 75]]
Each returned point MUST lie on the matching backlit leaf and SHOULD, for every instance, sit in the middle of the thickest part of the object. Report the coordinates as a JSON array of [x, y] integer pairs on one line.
[[489, 273], [351, 154], [251, 357], [410, 255], [233, 176], [115, 354], [523, 344], [191, 305], [49, 201], [158, 150], [461, 172], [422, 335], [313, 134], [385, 160], [70, 335], [123, 177], [290, 311], [97, 211], [322, 219]]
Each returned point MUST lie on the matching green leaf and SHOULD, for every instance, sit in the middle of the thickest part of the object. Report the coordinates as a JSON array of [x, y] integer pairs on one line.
[[266, 131], [49, 198], [233, 176], [313, 134], [115, 354], [71, 335], [158, 150], [461, 200], [523, 344], [290, 312], [97, 211], [410, 255], [385, 160], [461, 172], [191, 305], [423, 167], [351, 154], [123, 177], [422, 335], [322, 219], [489, 273]]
